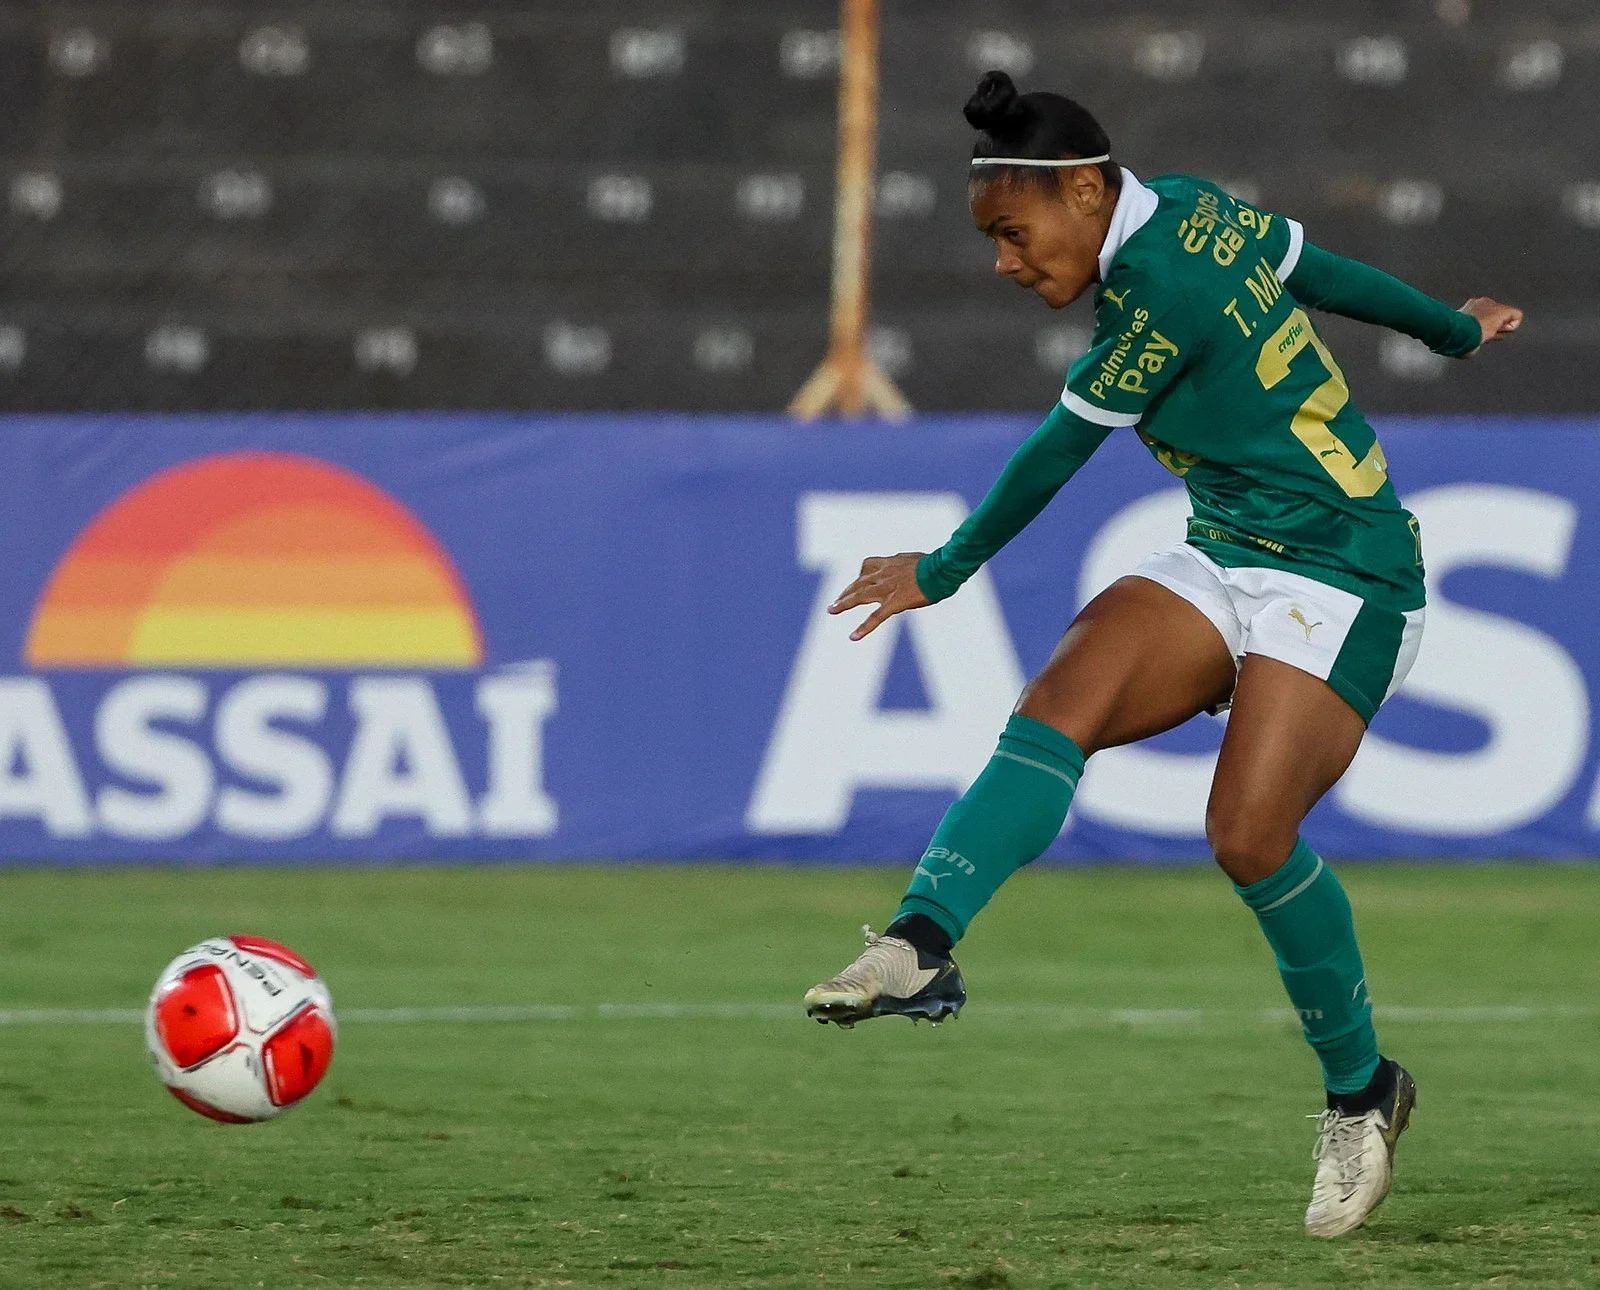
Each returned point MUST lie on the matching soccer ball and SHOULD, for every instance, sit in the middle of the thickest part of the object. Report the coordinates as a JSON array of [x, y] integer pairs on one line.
[[240, 1028]]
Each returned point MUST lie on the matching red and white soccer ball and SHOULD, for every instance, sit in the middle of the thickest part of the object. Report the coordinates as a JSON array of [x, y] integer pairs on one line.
[[240, 1028]]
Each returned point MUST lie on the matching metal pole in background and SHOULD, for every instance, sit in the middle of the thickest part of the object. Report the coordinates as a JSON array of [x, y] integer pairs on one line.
[[848, 381]]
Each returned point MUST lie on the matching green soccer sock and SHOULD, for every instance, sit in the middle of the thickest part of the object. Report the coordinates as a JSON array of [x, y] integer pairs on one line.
[[1306, 917], [1012, 812]]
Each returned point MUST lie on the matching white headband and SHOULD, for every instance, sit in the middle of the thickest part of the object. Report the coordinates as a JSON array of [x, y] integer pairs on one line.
[[1035, 161]]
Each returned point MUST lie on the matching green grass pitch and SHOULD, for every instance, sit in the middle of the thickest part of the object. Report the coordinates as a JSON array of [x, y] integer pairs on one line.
[[1122, 1105]]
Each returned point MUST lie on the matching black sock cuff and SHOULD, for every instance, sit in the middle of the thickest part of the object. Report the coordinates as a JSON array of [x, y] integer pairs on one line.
[[1376, 1093], [922, 932]]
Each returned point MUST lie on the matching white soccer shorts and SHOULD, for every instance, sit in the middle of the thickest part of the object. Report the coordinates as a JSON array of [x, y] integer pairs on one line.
[[1361, 649]]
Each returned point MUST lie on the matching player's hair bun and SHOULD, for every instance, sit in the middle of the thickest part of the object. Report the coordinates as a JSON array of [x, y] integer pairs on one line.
[[1038, 126], [996, 108]]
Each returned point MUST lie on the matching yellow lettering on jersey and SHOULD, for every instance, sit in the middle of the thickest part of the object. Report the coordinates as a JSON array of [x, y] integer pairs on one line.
[[1249, 217], [1195, 231], [1264, 286], [1157, 350], [1111, 366], [1180, 463], [1310, 424], [1230, 241], [1232, 310]]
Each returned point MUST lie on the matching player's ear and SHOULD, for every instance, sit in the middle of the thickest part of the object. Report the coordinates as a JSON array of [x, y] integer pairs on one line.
[[1085, 188]]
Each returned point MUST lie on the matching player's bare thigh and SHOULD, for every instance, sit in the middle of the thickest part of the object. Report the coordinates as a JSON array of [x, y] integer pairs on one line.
[[1139, 659], [1289, 739]]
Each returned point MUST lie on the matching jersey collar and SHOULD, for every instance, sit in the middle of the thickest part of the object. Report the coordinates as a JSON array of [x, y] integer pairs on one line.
[[1135, 205]]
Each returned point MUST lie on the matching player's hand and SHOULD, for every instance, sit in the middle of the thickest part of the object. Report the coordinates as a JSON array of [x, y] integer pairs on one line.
[[1497, 320], [890, 583]]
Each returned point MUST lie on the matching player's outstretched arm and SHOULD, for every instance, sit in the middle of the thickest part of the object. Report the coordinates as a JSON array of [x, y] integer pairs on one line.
[[1048, 458], [1355, 290]]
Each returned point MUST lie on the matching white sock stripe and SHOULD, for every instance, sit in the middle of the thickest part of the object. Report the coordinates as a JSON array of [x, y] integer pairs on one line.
[[1038, 765], [1288, 896]]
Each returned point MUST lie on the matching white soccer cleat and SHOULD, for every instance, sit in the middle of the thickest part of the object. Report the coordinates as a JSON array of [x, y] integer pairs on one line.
[[1355, 1160], [890, 978]]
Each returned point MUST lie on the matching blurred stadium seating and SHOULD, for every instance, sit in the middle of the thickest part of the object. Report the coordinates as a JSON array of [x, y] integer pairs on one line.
[[628, 206]]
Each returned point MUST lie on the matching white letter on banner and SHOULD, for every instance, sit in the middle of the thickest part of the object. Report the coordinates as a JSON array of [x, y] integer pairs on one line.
[[831, 738], [293, 764], [401, 762], [516, 704], [38, 776], [1134, 787], [1515, 678], [132, 747]]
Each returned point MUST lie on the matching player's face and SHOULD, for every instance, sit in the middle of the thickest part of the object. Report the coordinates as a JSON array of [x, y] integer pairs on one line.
[[1047, 235]]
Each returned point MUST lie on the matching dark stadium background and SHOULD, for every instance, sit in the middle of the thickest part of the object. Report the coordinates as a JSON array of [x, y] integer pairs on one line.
[[629, 205]]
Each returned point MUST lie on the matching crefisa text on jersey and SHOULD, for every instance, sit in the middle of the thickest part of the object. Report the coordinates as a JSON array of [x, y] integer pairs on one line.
[[273, 756]]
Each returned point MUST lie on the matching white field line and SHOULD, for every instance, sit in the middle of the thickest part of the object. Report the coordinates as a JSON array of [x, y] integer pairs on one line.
[[1005, 1014]]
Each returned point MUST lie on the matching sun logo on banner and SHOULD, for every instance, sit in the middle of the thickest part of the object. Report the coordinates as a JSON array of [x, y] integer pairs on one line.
[[255, 559]]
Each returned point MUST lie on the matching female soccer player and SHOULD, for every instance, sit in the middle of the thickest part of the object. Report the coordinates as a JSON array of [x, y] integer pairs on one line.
[[1297, 597]]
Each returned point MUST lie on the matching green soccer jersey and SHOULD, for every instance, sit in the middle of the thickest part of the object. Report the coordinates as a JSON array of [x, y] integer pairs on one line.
[[1202, 344]]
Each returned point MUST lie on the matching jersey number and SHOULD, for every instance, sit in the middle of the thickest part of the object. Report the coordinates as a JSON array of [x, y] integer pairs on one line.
[[1310, 425]]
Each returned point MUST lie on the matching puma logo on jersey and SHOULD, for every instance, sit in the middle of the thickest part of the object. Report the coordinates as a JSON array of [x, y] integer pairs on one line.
[[1121, 301], [1300, 618]]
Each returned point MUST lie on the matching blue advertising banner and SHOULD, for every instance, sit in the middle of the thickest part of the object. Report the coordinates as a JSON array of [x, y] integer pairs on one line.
[[361, 637]]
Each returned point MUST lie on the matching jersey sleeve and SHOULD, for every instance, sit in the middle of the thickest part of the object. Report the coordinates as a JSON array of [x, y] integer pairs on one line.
[[1143, 338], [1355, 290], [1336, 285], [1048, 458]]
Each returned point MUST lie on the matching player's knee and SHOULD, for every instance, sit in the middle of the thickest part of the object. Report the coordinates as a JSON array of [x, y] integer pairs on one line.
[[1063, 698], [1059, 706], [1247, 844]]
